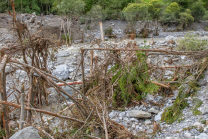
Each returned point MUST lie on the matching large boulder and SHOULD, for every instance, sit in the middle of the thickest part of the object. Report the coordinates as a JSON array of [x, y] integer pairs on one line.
[[62, 72], [139, 114], [26, 133]]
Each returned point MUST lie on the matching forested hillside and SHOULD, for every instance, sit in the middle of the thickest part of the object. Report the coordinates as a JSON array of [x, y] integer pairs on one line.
[[182, 12]]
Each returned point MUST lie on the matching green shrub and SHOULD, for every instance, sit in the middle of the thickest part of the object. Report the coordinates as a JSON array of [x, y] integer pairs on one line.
[[185, 19], [191, 43], [197, 103], [198, 10], [133, 81]]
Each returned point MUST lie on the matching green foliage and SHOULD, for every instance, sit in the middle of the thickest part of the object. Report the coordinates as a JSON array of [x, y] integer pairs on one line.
[[71, 7], [109, 32], [173, 8], [205, 17], [171, 13], [174, 113], [136, 11], [133, 81], [96, 12], [155, 9], [197, 10], [185, 19], [184, 4], [197, 103], [191, 43]]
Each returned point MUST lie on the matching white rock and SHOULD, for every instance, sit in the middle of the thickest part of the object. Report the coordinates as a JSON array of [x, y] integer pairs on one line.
[[134, 120], [122, 114], [169, 38], [206, 129], [139, 114], [149, 131], [158, 116], [187, 135], [152, 110], [198, 125], [133, 126], [147, 122], [113, 114], [202, 136], [26, 133], [204, 110], [171, 138]]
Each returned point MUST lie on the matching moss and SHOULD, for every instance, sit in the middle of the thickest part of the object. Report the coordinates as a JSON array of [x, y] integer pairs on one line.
[[133, 81], [197, 103], [174, 113]]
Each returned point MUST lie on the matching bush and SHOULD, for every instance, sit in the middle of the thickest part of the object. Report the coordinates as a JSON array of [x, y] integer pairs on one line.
[[191, 43], [185, 19], [135, 11], [171, 13], [198, 10], [133, 81]]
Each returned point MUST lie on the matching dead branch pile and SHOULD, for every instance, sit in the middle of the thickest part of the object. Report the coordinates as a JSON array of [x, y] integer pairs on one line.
[[111, 68]]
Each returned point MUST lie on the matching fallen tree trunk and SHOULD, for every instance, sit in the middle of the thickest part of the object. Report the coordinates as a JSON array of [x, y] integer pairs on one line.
[[41, 111]]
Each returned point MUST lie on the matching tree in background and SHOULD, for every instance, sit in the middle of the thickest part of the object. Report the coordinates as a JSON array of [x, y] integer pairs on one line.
[[171, 13], [155, 12], [198, 10], [71, 7], [185, 19], [184, 4], [134, 12]]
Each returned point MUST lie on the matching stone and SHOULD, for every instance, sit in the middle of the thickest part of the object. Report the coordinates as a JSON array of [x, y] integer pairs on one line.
[[26, 133], [204, 110], [112, 114], [206, 129], [61, 72], [147, 122], [134, 120], [133, 126], [122, 114], [202, 136], [149, 131], [139, 114], [169, 38], [187, 135], [63, 54], [152, 110], [158, 116], [171, 138]]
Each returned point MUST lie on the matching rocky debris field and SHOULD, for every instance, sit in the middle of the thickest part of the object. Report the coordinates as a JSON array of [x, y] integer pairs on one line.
[[141, 120]]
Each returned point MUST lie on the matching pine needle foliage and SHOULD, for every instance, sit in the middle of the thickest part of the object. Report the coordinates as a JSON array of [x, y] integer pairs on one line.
[[133, 81]]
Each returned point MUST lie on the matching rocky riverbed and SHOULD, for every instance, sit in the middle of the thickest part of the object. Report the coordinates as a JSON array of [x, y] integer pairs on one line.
[[139, 119]]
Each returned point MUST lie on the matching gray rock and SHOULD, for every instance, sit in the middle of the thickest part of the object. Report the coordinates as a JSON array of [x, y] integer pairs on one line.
[[202, 136], [158, 116], [113, 114], [206, 129], [198, 125], [169, 38], [204, 110], [134, 120], [152, 110], [63, 54], [26, 133], [171, 138], [122, 114], [139, 114], [147, 122], [187, 135], [62, 72], [149, 131]]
